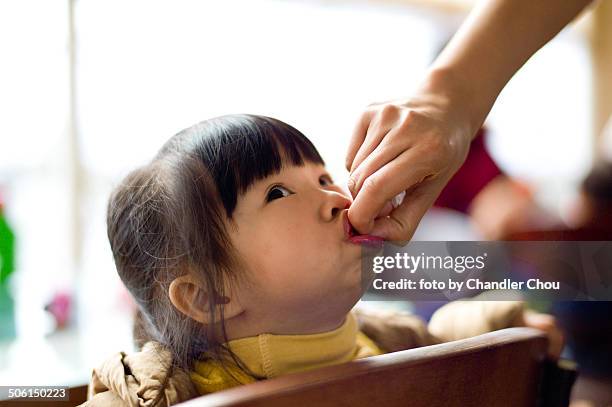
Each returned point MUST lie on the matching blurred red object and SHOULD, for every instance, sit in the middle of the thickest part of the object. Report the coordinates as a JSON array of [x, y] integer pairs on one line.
[[476, 172], [60, 307]]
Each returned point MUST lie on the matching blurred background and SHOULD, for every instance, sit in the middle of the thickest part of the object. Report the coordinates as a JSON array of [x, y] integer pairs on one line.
[[90, 89]]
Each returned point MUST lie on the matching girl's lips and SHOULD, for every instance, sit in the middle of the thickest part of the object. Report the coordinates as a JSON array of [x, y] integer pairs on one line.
[[369, 240], [353, 236]]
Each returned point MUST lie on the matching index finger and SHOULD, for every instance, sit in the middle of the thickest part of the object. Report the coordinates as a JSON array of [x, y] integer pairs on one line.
[[357, 137]]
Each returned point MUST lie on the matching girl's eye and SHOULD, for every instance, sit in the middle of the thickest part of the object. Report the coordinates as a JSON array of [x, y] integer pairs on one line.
[[325, 180], [277, 192]]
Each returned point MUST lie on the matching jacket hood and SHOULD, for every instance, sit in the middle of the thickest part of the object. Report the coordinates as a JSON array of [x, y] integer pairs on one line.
[[145, 378]]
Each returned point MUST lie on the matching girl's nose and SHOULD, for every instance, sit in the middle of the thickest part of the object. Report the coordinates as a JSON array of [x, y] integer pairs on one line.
[[333, 204]]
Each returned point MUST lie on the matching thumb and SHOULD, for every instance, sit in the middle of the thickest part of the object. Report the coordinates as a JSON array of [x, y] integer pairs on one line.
[[402, 222]]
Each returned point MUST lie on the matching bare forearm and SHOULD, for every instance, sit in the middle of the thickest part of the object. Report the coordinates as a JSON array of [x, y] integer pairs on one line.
[[498, 37]]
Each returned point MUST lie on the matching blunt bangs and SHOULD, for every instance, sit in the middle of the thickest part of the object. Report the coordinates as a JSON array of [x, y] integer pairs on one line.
[[241, 149]]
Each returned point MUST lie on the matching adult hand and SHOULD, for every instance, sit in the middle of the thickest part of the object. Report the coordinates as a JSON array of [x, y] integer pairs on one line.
[[415, 146], [546, 323]]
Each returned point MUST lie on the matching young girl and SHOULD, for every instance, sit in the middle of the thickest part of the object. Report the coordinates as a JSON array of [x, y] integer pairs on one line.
[[235, 243]]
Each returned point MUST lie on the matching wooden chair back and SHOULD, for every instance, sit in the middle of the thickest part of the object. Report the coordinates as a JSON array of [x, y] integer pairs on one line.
[[501, 368]]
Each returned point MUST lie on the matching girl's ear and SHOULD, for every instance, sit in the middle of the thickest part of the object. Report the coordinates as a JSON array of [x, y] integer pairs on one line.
[[189, 296]]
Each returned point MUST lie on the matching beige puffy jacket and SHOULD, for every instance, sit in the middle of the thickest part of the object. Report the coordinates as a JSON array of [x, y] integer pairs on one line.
[[147, 378]]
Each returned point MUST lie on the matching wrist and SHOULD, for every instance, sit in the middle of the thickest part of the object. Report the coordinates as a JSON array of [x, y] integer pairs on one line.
[[470, 104]]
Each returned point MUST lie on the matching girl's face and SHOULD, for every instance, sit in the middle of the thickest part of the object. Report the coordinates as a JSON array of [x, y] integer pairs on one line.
[[290, 231]]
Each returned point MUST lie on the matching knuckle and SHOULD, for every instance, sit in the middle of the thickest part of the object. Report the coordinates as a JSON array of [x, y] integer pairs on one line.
[[365, 114], [372, 110], [411, 121], [401, 231], [401, 225], [352, 182], [348, 162], [372, 185], [388, 110], [412, 117]]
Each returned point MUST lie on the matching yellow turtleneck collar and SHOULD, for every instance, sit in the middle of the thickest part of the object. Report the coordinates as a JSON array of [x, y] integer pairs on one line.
[[268, 355]]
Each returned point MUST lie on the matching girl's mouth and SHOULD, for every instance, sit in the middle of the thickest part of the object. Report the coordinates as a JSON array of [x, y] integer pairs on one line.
[[353, 236]]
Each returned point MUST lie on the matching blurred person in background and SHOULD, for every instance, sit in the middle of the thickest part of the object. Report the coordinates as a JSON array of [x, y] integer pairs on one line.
[[586, 324], [593, 208], [497, 204]]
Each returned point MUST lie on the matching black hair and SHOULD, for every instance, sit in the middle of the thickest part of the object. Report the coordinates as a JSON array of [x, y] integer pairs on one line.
[[241, 149]]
